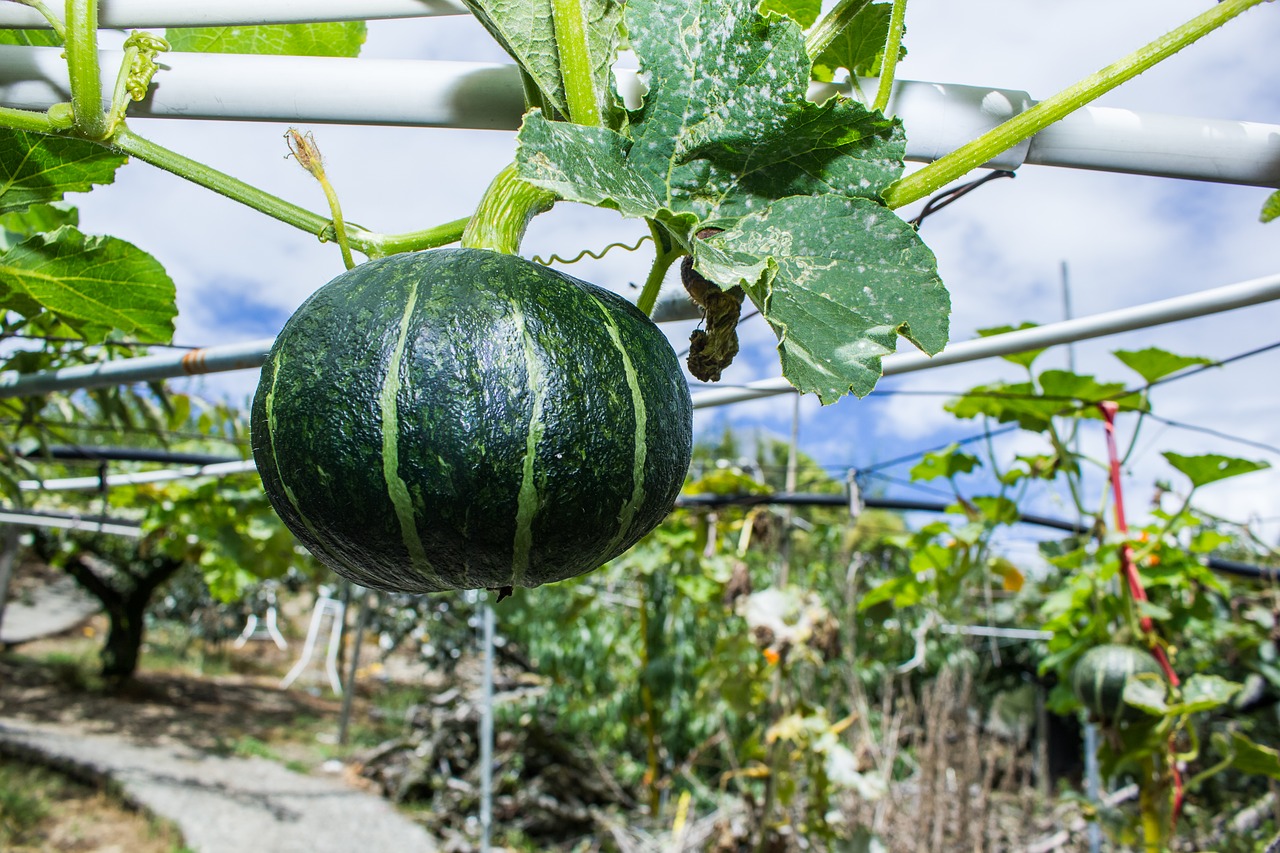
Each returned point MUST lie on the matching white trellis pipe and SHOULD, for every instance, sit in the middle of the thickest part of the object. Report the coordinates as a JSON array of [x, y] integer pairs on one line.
[[88, 484], [23, 519], [1219, 299], [124, 371], [253, 353], [126, 14], [939, 117]]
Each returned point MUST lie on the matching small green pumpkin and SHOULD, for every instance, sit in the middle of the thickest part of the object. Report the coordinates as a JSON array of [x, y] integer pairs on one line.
[[460, 419], [1100, 675]]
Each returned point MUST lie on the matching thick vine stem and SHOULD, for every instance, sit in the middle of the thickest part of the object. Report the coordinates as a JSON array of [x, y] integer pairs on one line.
[[973, 154], [504, 213], [83, 69]]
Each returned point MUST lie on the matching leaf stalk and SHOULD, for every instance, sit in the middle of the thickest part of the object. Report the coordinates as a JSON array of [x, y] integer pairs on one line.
[[893, 46], [570, 24]]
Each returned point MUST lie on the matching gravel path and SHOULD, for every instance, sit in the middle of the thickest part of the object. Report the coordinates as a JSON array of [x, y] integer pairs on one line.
[[226, 804]]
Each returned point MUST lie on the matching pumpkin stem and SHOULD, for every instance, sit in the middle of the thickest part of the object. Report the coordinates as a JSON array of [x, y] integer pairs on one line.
[[504, 213]]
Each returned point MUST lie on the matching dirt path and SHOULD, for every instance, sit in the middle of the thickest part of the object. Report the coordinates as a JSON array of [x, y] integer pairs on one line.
[[164, 742]]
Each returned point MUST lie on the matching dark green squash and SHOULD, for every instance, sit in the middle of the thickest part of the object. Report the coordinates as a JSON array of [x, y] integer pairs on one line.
[[460, 419], [1099, 677]]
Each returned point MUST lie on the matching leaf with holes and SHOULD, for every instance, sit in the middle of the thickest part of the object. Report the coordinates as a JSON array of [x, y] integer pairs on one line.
[[93, 284], [727, 139], [838, 279], [38, 169], [724, 131]]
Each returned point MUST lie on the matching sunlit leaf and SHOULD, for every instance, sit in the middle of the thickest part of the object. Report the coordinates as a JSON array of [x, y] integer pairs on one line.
[[1153, 363], [803, 12], [322, 39], [526, 30], [1271, 208], [1210, 467], [37, 169], [93, 284], [1025, 359], [859, 48], [944, 463]]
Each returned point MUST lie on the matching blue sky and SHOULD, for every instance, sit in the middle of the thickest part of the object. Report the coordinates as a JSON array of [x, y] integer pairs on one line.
[[1126, 239]]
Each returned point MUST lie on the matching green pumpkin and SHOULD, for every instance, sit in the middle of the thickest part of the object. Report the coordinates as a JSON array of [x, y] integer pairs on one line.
[[1100, 675], [459, 419]]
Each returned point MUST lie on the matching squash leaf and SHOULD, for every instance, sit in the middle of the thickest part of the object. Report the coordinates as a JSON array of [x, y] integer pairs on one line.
[[38, 169], [323, 39], [1210, 467], [727, 139], [93, 284], [1153, 363], [859, 48]]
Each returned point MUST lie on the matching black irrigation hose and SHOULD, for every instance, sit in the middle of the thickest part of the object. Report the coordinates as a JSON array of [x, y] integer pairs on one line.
[[126, 454], [1217, 564]]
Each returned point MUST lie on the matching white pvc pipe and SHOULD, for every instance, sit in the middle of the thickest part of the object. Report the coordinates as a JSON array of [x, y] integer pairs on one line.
[[939, 117], [125, 14], [86, 484], [22, 519], [1227, 298], [302, 89], [253, 353]]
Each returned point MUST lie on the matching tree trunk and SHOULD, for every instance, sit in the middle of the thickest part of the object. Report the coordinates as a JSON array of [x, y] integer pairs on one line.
[[124, 638], [124, 598]]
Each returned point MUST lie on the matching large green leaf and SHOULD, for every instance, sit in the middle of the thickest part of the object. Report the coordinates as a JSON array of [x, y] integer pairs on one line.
[[725, 129], [324, 39], [838, 279], [726, 139], [36, 169], [1153, 363], [526, 30], [1210, 467], [93, 284]]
